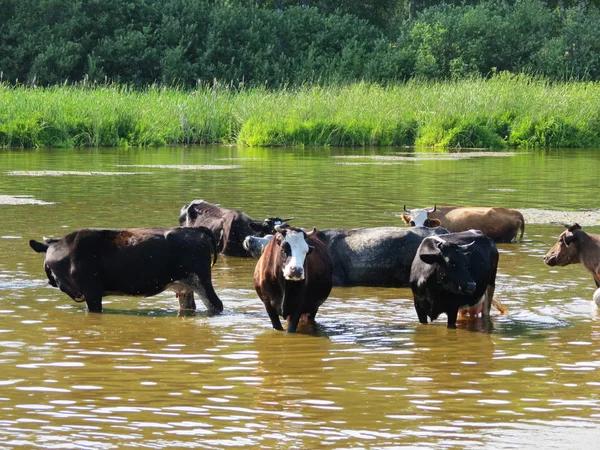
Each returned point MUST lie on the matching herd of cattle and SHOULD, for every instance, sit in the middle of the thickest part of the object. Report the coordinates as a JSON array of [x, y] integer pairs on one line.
[[448, 257]]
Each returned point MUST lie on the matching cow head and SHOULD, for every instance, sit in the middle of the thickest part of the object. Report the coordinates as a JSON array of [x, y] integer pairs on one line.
[[452, 264], [293, 248], [565, 251], [420, 217], [188, 214], [256, 244], [268, 225], [57, 266]]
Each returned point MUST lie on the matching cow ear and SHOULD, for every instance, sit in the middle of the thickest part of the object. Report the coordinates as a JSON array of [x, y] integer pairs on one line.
[[432, 223], [431, 258], [310, 249], [38, 246], [569, 239]]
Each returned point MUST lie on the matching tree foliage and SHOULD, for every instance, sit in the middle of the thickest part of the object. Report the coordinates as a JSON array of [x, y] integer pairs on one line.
[[291, 42]]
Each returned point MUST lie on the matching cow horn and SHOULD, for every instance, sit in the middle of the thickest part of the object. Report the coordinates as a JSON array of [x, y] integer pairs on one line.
[[434, 208], [279, 228], [406, 210], [287, 220], [312, 233]]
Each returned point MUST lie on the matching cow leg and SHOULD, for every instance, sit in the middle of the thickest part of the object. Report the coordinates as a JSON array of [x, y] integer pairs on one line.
[[293, 322], [272, 312], [421, 314], [186, 300], [93, 301], [487, 302], [452, 314], [209, 297]]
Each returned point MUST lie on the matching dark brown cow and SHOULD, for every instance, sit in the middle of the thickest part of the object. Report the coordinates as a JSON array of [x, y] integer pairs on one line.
[[293, 276], [230, 226], [91, 263], [499, 224], [576, 246]]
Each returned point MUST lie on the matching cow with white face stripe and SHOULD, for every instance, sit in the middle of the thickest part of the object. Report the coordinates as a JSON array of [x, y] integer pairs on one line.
[[293, 276]]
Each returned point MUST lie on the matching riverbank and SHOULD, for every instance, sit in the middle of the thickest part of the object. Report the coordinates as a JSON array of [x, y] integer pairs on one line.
[[503, 112]]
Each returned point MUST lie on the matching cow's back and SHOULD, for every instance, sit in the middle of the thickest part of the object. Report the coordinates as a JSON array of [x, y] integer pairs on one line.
[[500, 224], [379, 256]]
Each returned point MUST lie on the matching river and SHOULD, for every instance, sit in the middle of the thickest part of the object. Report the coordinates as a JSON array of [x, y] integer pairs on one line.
[[367, 375]]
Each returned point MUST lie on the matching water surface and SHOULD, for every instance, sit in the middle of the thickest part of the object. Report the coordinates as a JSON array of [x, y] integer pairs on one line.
[[367, 375]]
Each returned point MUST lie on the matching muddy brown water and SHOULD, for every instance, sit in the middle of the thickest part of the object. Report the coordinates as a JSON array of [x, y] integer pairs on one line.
[[367, 375]]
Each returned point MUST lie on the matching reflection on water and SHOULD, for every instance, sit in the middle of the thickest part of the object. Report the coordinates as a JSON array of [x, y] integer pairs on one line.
[[366, 375]]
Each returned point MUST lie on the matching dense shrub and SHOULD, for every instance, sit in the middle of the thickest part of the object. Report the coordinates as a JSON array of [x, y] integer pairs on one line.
[[292, 42]]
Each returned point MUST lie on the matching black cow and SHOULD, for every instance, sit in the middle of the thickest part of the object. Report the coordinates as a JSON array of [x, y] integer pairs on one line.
[[366, 256], [230, 226], [91, 263], [293, 276], [453, 271]]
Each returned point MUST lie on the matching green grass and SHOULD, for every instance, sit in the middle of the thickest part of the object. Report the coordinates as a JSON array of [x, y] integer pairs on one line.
[[505, 111]]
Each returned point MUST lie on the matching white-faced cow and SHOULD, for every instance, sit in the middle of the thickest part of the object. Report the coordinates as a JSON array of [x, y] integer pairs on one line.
[[230, 226], [576, 246], [500, 224], [366, 256], [451, 272], [92, 263], [293, 276]]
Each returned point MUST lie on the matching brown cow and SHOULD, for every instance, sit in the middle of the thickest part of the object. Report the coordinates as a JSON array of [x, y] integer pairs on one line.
[[230, 226], [499, 224], [293, 276], [576, 246]]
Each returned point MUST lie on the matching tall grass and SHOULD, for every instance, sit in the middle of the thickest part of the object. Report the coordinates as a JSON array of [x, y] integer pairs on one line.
[[504, 111]]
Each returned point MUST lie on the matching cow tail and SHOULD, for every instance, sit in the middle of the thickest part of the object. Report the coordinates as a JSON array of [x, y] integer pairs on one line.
[[522, 228], [215, 249], [213, 241], [499, 306]]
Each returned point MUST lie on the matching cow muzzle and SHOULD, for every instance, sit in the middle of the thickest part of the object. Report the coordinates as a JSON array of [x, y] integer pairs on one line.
[[550, 260], [294, 273]]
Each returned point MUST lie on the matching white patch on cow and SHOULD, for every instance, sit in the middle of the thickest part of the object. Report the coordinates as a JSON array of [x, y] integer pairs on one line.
[[597, 297], [294, 269], [419, 216]]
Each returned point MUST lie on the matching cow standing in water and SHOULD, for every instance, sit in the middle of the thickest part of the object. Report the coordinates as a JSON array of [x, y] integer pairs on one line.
[[293, 276], [92, 263], [499, 224], [454, 271], [576, 246], [230, 226]]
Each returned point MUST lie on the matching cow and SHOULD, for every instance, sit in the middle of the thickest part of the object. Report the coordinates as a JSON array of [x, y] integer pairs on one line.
[[454, 271], [576, 246], [500, 224], [230, 226], [89, 264], [293, 276], [366, 256]]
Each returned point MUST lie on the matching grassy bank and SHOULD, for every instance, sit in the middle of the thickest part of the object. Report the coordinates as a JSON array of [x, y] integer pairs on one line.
[[505, 111]]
